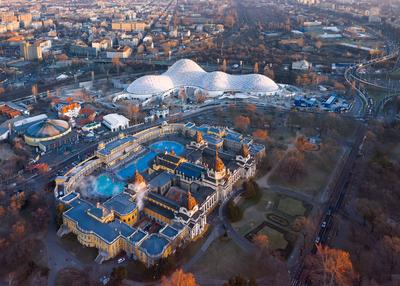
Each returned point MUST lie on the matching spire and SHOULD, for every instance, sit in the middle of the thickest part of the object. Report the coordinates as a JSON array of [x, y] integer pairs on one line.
[[191, 201], [199, 137], [245, 150], [138, 179], [219, 165]]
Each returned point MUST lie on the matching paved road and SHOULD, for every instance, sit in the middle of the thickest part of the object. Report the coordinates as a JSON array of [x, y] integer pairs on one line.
[[242, 242]]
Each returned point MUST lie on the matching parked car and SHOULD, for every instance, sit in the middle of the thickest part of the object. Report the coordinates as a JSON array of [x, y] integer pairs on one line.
[[122, 259]]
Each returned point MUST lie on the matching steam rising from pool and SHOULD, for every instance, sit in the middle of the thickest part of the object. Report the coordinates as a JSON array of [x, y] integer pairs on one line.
[[101, 186]]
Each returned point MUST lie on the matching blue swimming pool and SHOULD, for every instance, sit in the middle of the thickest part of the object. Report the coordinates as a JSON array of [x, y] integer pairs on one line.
[[106, 186], [143, 162], [140, 164], [165, 145]]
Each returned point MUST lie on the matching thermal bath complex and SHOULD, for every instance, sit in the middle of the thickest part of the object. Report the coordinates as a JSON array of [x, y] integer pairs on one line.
[[153, 190]]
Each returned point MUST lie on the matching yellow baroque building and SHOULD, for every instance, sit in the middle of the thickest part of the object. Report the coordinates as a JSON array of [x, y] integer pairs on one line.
[[108, 227]]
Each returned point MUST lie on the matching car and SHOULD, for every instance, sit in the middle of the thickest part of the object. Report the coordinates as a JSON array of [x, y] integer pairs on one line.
[[104, 280], [317, 240], [122, 259], [323, 224]]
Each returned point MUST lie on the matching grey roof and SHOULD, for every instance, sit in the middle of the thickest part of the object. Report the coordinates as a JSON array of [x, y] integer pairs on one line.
[[122, 204], [154, 245], [114, 144], [233, 136], [161, 179], [47, 128], [190, 170], [169, 232], [163, 200], [108, 232], [202, 193], [212, 139], [137, 236], [71, 196], [97, 212], [160, 210], [177, 225]]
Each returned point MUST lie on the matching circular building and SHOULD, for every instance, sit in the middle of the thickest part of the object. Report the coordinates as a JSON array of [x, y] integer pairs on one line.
[[47, 130]]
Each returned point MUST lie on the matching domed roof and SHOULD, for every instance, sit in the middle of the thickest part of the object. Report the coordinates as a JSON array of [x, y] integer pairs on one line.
[[245, 151], [219, 165], [216, 81], [191, 201], [199, 137], [258, 82], [184, 66], [151, 84], [187, 73], [138, 179], [48, 128]]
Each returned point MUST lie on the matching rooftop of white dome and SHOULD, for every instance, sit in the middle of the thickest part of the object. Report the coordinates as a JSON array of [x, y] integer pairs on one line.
[[183, 66], [150, 84], [188, 73]]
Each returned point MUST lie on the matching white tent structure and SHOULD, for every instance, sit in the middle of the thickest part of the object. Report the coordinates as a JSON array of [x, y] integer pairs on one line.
[[186, 73], [115, 121]]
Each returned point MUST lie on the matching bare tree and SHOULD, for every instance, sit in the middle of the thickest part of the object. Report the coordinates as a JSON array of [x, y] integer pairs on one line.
[[330, 267], [179, 278]]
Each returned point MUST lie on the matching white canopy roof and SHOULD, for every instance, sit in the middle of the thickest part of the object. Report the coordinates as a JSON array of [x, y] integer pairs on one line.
[[185, 73]]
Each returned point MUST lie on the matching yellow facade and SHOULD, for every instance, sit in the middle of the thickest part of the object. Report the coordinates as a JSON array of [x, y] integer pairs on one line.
[[142, 256], [157, 216], [131, 218], [92, 240], [167, 169]]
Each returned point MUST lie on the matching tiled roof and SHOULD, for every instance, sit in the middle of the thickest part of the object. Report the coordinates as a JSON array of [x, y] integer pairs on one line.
[[122, 204]]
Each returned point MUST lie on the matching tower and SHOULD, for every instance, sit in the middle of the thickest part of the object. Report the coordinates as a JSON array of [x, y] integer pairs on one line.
[[191, 201], [199, 137], [245, 151], [138, 179], [219, 166]]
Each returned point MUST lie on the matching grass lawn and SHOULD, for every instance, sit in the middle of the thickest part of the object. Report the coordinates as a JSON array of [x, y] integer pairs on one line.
[[291, 206], [276, 238], [377, 94], [319, 166], [224, 259], [254, 214], [85, 254]]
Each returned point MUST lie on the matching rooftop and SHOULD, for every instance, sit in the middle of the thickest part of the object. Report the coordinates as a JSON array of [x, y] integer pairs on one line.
[[108, 232], [114, 144], [154, 245], [122, 204], [169, 232]]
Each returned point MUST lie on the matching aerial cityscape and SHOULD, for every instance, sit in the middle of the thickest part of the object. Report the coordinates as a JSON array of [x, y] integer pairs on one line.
[[191, 143]]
